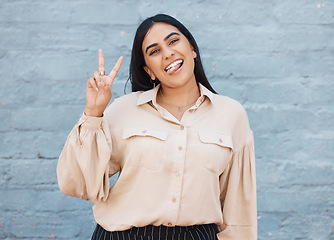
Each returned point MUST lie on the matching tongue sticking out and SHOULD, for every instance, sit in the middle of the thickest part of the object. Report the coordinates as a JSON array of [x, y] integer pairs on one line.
[[174, 69]]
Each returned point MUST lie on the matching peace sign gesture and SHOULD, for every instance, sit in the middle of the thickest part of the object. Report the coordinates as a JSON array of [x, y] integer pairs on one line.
[[98, 88]]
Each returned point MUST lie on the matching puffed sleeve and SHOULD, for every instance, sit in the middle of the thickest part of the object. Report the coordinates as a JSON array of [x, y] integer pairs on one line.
[[238, 189], [85, 164]]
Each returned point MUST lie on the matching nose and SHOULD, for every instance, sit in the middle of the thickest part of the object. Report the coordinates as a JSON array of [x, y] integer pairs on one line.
[[168, 52]]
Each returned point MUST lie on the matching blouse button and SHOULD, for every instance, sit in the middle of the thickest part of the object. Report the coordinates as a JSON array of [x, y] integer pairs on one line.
[[220, 140], [144, 131], [180, 148], [174, 200], [181, 127]]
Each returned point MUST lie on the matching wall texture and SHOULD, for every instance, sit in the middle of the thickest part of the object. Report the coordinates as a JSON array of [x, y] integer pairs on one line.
[[275, 57]]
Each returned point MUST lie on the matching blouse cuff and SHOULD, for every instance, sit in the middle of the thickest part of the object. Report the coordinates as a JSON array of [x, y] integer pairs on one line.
[[90, 122], [238, 232]]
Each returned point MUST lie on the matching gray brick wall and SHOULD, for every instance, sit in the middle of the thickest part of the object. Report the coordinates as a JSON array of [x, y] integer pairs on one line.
[[275, 57]]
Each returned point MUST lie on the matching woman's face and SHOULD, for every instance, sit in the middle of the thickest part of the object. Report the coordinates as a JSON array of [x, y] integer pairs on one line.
[[168, 56]]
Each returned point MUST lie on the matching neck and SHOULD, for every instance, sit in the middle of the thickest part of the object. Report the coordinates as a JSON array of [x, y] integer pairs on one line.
[[179, 97]]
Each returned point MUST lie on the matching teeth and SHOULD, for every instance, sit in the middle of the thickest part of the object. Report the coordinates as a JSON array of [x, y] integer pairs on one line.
[[173, 64]]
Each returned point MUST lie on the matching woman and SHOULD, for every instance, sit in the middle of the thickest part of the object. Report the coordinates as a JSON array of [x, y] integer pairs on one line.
[[185, 154]]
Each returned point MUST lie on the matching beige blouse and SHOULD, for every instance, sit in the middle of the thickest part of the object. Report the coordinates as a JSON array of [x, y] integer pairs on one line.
[[195, 171]]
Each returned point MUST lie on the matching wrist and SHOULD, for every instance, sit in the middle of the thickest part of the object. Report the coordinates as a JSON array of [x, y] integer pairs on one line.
[[93, 112]]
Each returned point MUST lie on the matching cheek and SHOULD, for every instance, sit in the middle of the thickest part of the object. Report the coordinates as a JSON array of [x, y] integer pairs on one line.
[[154, 65], [154, 69]]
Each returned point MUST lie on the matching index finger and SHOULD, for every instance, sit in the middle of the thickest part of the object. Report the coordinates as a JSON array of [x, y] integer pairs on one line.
[[101, 62]]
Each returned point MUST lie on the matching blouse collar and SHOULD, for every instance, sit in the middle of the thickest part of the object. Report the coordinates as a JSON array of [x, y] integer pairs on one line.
[[151, 95]]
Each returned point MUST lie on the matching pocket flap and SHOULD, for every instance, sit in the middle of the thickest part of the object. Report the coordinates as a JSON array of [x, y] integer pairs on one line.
[[143, 132], [223, 140]]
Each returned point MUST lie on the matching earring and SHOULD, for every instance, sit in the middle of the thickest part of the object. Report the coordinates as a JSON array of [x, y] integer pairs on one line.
[[153, 82]]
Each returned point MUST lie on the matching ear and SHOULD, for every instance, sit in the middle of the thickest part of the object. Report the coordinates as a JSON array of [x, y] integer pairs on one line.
[[194, 52], [149, 72]]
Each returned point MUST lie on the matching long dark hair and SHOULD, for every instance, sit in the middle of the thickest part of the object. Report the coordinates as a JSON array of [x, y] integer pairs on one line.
[[138, 77]]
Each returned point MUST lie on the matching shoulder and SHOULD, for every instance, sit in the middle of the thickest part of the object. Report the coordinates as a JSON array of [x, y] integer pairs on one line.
[[235, 116], [121, 106], [127, 100], [227, 105], [130, 98], [225, 100]]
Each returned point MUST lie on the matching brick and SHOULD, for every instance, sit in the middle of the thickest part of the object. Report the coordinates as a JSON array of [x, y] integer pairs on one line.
[[280, 119], [322, 93], [269, 226], [47, 226], [277, 93], [22, 180], [11, 202], [230, 88], [310, 227], [282, 147], [311, 174], [5, 174], [5, 119], [270, 172], [46, 118], [32, 144], [59, 37], [304, 12], [308, 38]]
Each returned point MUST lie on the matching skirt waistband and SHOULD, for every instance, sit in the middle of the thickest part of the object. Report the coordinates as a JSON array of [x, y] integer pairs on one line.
[[151, 232], [161, 230]]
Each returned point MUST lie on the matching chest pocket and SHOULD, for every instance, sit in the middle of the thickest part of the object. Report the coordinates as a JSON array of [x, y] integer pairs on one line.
[[144, 147], [218, 150]]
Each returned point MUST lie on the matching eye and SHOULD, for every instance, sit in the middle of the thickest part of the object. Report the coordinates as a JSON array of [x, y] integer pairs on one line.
[[154, 51], [173, 41]]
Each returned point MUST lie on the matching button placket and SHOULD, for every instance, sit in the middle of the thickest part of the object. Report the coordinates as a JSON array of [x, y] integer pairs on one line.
[[180, 142]]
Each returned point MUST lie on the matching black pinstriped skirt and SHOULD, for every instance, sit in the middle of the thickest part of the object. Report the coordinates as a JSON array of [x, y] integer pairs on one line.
[[195, 232]]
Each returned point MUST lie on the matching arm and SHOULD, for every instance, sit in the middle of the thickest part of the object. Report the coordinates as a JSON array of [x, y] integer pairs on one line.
[[85, 163], [238, 196], [238, 184]]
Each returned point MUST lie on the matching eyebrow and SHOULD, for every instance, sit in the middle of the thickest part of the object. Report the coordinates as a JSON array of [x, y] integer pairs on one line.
[[155, 44]]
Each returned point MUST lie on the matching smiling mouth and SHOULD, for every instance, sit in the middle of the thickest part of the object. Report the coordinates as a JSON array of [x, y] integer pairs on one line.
[[174, 66]]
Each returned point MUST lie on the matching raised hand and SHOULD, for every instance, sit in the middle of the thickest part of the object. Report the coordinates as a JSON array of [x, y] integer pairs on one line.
[[98, 88]]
